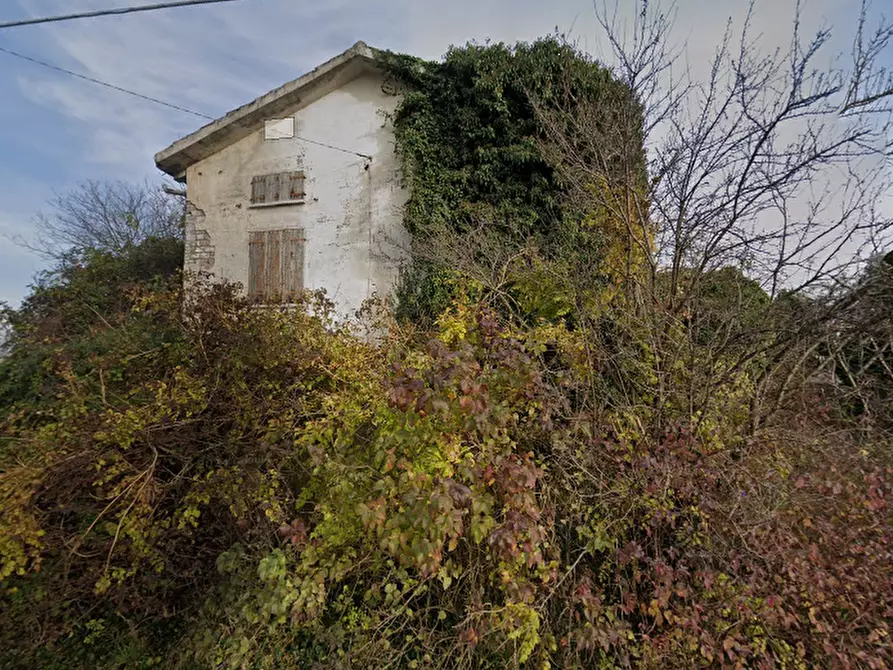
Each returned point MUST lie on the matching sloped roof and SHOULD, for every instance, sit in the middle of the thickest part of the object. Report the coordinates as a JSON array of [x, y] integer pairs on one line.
[[243, 121]]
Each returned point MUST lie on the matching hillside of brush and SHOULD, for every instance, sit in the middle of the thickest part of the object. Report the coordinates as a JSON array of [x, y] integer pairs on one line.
[[543, 459]]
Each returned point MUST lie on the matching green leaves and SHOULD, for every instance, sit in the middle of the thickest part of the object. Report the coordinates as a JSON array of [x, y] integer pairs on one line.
[[242, 487], [471, 144], [272, 568]]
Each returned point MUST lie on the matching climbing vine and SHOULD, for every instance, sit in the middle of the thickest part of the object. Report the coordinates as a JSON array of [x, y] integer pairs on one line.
[[552, 474], [481, 184]]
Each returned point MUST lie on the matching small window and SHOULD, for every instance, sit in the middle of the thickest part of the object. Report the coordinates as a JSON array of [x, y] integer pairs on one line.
[[276, 265], [281, 188], [279, 129]]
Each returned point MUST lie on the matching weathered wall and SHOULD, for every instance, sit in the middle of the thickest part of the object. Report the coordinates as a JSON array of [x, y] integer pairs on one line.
[[352, 215]]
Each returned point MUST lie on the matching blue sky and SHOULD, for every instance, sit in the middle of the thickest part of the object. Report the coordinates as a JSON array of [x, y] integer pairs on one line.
[[56, 130]]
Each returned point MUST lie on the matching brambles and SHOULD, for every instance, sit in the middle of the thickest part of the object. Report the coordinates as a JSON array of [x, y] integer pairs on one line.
[[290, 496], [574, 462]]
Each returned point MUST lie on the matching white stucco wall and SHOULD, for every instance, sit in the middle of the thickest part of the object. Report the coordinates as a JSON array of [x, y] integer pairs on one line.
[[352, 216]]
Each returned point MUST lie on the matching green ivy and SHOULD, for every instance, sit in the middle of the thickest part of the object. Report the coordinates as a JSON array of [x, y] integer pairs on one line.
[[470, 142]]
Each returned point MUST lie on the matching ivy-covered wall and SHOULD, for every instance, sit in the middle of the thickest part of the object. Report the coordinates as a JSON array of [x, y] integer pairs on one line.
[[472, 149]]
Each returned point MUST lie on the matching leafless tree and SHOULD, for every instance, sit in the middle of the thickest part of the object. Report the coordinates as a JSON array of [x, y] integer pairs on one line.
[[776, 165], [107, 216]]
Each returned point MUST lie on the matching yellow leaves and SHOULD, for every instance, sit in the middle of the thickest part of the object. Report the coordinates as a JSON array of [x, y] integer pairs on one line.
[[455, 323], [620, 215], [449, 572], [659, 615], [707, 653], [177, 399], [96, 627], [103, 585], [111, 577], [20, 531], [522, 624], [813, 619], [189, 517], [879, 635]]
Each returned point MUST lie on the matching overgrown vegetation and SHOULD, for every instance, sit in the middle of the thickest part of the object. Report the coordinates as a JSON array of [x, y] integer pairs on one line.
[[574, 457], [481, 185]]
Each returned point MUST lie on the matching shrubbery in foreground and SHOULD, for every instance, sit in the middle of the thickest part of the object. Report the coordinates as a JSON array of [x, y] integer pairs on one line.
[[215, 485]]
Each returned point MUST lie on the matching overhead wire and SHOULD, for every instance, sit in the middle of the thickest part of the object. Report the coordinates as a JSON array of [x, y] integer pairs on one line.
[[333, 147], [158, 101], [110, 12], [93, 80]]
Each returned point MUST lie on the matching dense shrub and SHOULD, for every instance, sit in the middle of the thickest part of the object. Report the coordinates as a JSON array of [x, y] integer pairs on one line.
[[482, 188], [550, 469], [255, 488]]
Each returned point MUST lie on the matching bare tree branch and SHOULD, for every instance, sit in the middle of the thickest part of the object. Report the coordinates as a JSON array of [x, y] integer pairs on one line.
[[107, 216]]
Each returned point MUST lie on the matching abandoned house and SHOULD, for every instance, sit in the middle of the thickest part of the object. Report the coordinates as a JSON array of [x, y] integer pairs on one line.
[[300, 189]]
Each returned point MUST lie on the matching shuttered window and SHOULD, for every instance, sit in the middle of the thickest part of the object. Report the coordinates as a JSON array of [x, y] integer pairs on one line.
[[276, 265], [277, 189]]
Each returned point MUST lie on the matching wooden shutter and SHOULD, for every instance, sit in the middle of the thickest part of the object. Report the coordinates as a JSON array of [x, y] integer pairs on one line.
[[291, 252], [296, 186], [256, 266], [258, 190], [274, 186], [281, 187], [276, 265]]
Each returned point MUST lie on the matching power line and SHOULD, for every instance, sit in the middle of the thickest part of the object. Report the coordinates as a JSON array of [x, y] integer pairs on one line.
[[157, 101], [110, 12], [333, 147], [104, 83]]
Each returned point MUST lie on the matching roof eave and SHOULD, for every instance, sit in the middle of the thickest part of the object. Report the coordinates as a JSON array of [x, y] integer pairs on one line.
[[239, 123]]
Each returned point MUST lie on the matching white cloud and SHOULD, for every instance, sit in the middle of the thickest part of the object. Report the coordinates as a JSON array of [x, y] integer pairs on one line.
[[214, 58]]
